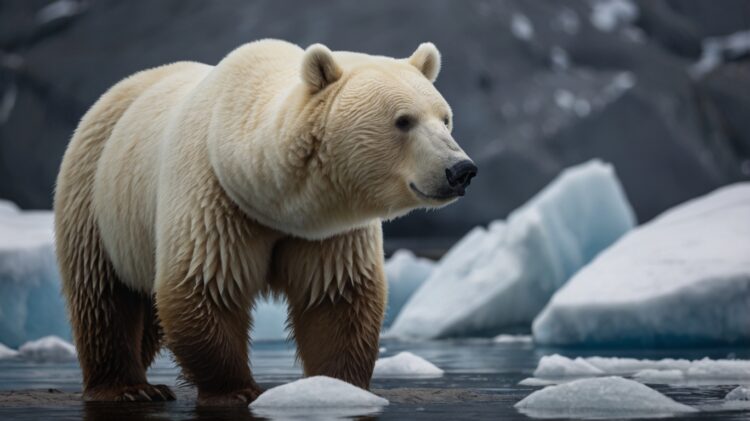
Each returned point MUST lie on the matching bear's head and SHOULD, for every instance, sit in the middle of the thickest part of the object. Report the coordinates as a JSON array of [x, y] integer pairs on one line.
[[364, 137]]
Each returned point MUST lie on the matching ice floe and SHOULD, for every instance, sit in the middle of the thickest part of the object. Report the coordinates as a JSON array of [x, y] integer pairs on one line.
[[557, 369], [609, 397]]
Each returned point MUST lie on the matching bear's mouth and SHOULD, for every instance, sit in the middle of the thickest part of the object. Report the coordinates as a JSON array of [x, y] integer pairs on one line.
[[447, 194]]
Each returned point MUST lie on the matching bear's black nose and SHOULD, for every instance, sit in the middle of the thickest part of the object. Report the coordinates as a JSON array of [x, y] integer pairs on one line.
[[459, 176]]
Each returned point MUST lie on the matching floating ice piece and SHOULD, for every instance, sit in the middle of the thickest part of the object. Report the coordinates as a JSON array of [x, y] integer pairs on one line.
[[502, 276], [512, 339], [405, 364], [317, 397], [682, 279], [48, 349], [740, 393], [557, 368], [405, 273], [612, 397], [29, 282], [6, 352]]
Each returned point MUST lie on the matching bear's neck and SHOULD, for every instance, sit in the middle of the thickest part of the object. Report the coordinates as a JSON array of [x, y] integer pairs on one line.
[[275, 166]]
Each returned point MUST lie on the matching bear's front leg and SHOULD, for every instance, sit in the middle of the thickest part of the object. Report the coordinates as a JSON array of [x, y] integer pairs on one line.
[[210, 343], [207, 282], [337, 296]]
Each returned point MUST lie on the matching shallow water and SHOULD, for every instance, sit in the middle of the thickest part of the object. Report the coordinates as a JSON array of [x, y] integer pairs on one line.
[[481, 381]]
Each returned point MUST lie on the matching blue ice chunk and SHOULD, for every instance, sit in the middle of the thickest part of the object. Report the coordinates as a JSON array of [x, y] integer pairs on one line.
[[30, 301], [681, 279]]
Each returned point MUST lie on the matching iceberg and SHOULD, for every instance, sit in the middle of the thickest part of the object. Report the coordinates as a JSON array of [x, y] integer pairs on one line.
[[30, 301], [498, 279], [48, 349], [681, 279], [558, 369], [405, 273], [405, 364], [317, 397], [608, 397]]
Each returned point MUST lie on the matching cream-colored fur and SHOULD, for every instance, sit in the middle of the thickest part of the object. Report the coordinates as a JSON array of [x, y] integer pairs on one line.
[[193, 177], [308, 164]]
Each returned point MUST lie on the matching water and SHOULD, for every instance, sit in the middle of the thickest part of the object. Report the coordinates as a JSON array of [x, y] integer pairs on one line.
[[485, 374]]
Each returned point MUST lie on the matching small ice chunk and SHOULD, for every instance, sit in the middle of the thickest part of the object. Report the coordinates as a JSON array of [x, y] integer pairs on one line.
[[48, 349], [608, 15], [521, 27], [557, 366], [405, 273], [405, 364], [6, 352], [740, 393], [654, 376], [317, 397], [613, 397], [512, 339]]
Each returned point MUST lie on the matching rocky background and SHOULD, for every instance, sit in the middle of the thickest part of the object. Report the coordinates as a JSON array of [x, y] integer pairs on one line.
[[660, 88]]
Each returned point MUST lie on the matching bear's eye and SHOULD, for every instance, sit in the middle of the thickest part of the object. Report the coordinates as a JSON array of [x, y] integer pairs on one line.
[[404, 123], [446, 120]]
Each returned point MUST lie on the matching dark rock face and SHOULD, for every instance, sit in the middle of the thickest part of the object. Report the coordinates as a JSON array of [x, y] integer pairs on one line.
[[535, 86]]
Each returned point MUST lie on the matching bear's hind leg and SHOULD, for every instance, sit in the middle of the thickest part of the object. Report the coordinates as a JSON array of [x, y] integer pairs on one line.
[[109, 326]]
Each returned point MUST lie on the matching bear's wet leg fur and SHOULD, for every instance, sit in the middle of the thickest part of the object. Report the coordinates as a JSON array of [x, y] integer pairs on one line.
[[106, 316], [340, 339], [109, 328], [152, 333], [210, 341]]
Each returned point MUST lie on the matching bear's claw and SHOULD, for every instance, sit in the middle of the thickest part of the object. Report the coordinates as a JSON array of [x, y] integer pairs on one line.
[[238, 397]]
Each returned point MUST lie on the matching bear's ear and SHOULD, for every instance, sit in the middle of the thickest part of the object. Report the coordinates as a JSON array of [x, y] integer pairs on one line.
[[427, 60], [319, 68]]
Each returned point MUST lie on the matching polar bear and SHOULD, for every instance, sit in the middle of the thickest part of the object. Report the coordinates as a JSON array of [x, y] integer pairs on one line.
[[188, 191]]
